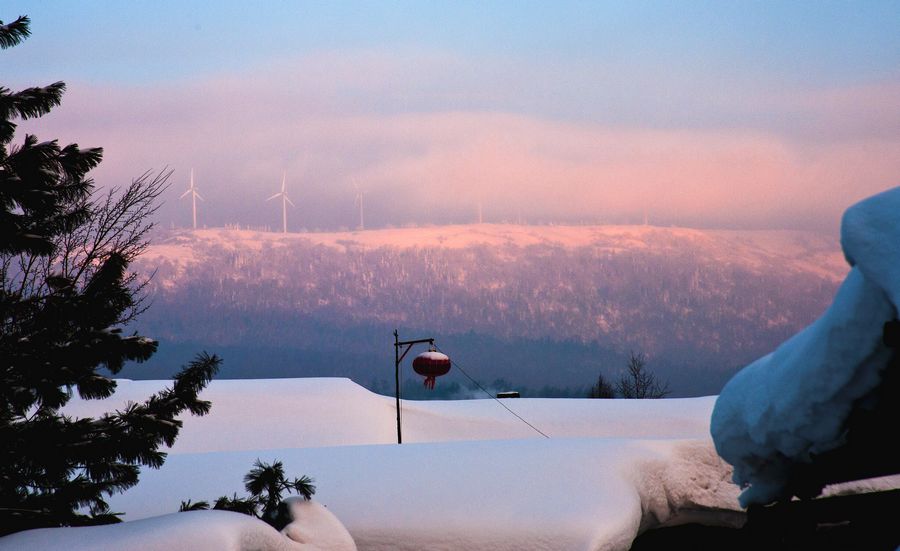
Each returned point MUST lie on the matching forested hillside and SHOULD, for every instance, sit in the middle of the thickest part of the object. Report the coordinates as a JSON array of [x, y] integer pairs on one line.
[[537, 306]]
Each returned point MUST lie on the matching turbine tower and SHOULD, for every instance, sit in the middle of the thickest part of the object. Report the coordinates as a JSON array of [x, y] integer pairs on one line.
[[284, 202], [359, 201], [194, 196]]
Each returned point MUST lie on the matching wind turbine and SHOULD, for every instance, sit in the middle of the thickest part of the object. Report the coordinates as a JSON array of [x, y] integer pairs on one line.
[[359, 201], [284, 202], [194, 196]]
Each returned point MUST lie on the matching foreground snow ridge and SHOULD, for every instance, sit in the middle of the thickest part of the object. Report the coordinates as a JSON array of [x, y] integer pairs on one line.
[[314, 529], [471, 477], [784, 407]]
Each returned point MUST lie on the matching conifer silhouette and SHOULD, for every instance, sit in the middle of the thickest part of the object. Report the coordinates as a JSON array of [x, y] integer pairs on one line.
[[265, 483], [65, 294]]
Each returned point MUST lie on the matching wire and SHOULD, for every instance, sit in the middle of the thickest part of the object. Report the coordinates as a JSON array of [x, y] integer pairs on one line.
[[491, 396]]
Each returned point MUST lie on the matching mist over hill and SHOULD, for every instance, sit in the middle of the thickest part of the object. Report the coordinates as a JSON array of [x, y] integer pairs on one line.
[[542, 308]]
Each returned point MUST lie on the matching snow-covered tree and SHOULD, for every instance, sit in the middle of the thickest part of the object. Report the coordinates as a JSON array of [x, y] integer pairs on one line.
[[65, 295]]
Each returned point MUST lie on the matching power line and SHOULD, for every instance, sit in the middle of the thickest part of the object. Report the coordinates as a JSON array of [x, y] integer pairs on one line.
[[491, 396]]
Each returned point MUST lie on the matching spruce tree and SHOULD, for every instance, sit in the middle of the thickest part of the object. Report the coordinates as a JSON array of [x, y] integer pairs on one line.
[[65, 296]]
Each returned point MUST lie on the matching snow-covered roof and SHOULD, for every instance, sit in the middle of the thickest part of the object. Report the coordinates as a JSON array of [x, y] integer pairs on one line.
[[793, 403]]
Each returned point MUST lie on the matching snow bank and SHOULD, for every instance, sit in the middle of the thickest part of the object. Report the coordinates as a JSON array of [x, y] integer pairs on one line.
[[468, 476], [577, 493], [315, 529], [784, 407], [263, 414]]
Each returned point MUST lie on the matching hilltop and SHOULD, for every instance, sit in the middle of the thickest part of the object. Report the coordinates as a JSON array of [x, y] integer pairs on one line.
[[534, 305]]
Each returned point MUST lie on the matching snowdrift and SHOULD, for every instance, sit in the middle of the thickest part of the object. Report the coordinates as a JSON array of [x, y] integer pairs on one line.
[[782, 409], [468, 476], [260, 414], [315, 530]]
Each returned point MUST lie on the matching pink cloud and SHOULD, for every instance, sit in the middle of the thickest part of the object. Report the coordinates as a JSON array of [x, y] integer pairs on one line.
[[324, 120]]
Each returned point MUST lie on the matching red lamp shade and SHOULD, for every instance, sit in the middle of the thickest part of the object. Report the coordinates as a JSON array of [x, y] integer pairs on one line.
[[431, 364]]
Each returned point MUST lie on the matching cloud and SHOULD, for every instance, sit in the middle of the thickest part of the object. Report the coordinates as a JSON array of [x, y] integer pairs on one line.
[[430, 135]]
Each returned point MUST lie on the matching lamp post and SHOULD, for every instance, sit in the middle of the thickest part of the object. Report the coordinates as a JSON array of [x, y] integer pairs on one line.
[[398, 357]]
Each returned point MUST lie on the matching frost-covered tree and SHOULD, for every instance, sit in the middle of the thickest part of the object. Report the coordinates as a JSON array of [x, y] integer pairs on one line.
[[65, 295]]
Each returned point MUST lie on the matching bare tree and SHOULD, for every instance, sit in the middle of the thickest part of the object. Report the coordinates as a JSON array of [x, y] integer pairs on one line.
[[118, 223], [638, 382]]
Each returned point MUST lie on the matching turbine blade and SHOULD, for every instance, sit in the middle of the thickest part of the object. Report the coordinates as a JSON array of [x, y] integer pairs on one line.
[[183, 195], [288, 199], [274, 196], [199, 196]]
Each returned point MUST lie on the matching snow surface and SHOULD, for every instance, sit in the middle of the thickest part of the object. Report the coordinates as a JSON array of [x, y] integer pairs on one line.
[[792, 403], [316, 529], [261, 414], [468, 476]]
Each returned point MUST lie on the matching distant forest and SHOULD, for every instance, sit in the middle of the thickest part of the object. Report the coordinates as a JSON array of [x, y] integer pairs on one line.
[[545, 319]]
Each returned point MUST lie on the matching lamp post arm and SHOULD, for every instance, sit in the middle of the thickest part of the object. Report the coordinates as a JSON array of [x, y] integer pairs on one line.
[[398, 357], [417, 341], [409, 345]]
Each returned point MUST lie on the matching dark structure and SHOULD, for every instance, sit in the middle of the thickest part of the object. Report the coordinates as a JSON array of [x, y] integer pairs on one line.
[[865, 521], [868, 452]]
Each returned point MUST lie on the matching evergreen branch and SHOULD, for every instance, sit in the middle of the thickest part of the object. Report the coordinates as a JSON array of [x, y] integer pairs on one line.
[[31, 102], [15, 32], [65, 290]]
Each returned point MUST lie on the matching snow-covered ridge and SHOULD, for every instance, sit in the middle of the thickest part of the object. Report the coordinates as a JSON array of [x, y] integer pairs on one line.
[[709, 297], [807, 251]]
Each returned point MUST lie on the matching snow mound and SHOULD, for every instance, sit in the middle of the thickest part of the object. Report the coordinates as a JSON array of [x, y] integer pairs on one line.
[[468, 476], [536, 494], [793, 403], [315, 529], [261, 414]]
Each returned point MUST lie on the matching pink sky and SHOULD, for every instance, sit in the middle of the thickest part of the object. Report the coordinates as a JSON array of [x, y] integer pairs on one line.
[[427, 137]]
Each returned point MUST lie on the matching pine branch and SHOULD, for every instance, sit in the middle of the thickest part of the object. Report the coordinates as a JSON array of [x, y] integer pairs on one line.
[[15, 32], [304, 487], [31, 102], [198, 506]]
